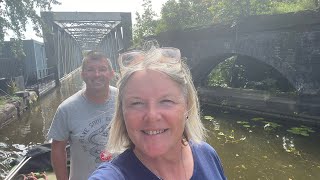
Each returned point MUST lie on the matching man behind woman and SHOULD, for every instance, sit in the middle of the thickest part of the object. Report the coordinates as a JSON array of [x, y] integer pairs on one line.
[[82, 120], [157, 127]]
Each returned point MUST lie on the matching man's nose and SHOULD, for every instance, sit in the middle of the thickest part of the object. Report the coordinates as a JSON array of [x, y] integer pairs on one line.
[[97, 72]]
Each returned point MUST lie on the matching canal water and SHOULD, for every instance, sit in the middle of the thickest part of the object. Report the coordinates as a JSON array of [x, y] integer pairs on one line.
[[250, 147]]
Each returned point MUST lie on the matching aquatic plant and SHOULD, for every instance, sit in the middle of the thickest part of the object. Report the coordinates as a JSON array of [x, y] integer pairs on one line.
[[209, 118], [244, 124], [270, 125], [257, 119], [302, 130], [230, 138]]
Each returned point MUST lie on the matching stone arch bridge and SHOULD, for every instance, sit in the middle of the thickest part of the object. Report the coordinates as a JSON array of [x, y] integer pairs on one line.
[[290, 43]]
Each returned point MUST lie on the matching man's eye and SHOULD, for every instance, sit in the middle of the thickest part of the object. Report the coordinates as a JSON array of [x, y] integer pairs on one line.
[[103, 70]]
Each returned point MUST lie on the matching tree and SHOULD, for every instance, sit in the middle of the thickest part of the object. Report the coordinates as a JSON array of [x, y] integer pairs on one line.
[[14, 15], [184, 13], [146, 23], [231, 10]]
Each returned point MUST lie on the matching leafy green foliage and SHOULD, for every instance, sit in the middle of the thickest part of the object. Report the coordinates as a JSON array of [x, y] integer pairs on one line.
[[184, 13], [2, 101], [231, 10], [14, 15], [228, 74], [293, 6], [146, 24], [181, 14], [12, 87], [221, 75], [8, 99]]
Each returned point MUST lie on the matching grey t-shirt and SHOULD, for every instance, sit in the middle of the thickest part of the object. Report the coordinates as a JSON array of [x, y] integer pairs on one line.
[[84, 124]]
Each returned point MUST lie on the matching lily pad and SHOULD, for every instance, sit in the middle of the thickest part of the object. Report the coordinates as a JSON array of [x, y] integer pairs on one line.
[[242, 122], [270, 125], [210, 118], [302, 130], [257, 119]]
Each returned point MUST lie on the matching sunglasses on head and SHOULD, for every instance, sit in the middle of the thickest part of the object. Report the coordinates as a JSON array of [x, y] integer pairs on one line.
[[132, 58]]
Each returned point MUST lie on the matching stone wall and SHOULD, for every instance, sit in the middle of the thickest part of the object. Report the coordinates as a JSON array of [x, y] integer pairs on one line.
[[15, 107], [303, 109]]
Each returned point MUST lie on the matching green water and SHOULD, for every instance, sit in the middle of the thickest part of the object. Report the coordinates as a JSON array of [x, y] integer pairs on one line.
[[249, 147]]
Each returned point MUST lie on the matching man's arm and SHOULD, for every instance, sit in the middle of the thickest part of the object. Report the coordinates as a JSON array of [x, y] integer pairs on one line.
[[59, 159]]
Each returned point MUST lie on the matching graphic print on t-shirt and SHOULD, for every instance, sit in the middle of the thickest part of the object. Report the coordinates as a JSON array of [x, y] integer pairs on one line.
[[94, 137]]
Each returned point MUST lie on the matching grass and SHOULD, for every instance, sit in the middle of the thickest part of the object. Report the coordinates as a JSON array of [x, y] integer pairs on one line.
[[5, 99]]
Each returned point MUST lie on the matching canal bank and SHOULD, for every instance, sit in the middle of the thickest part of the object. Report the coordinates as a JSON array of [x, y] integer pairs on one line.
[[13, 107], [289, 108]]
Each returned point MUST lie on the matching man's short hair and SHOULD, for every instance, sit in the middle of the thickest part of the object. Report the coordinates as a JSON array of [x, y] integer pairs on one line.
[[95, 56]]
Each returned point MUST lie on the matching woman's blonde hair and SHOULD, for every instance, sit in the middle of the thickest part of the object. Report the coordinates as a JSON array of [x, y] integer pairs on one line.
[[194, 130]]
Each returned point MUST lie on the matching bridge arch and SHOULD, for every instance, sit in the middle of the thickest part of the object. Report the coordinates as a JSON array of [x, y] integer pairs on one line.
[[207, 64]]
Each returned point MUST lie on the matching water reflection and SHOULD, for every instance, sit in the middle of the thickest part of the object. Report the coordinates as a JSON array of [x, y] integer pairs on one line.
[[250, 151], [32, 128]]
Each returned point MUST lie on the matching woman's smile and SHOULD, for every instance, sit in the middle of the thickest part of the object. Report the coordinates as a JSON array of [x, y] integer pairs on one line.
[[154, 132]]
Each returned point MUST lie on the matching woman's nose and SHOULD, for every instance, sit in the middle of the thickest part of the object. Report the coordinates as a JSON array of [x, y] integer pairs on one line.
[[152, 112]]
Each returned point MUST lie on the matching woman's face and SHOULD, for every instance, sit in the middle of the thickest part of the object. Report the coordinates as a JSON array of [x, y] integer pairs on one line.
[[154, 110]]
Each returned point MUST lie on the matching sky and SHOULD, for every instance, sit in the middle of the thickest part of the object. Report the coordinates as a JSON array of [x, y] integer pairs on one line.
[[132, 6]]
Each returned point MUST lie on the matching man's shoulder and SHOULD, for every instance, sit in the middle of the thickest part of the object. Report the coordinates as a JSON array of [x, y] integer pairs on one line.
[[73, 99]]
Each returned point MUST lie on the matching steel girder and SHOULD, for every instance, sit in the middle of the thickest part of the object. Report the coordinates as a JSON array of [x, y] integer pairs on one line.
[[68, 34]]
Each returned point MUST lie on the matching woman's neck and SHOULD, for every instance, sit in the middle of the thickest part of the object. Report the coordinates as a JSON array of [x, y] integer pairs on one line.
[[177, 165]]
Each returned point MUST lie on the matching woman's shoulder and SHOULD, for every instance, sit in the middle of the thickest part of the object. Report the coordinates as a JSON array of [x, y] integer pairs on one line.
[[206, 157], [203, 146], [107, 169]]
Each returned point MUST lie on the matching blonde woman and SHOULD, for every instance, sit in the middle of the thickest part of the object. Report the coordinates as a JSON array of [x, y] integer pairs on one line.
[[157, 128]]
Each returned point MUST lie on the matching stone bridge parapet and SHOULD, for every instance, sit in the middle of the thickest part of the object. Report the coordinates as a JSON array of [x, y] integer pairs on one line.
[[290, 43]]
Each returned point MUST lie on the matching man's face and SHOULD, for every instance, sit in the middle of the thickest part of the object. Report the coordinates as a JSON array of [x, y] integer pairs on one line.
[[97, 75]]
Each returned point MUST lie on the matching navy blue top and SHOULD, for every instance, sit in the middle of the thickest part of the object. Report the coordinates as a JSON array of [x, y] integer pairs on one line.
[[207, 165]]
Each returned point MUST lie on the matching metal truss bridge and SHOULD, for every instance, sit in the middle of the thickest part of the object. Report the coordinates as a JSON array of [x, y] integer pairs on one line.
[[67, 35]]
